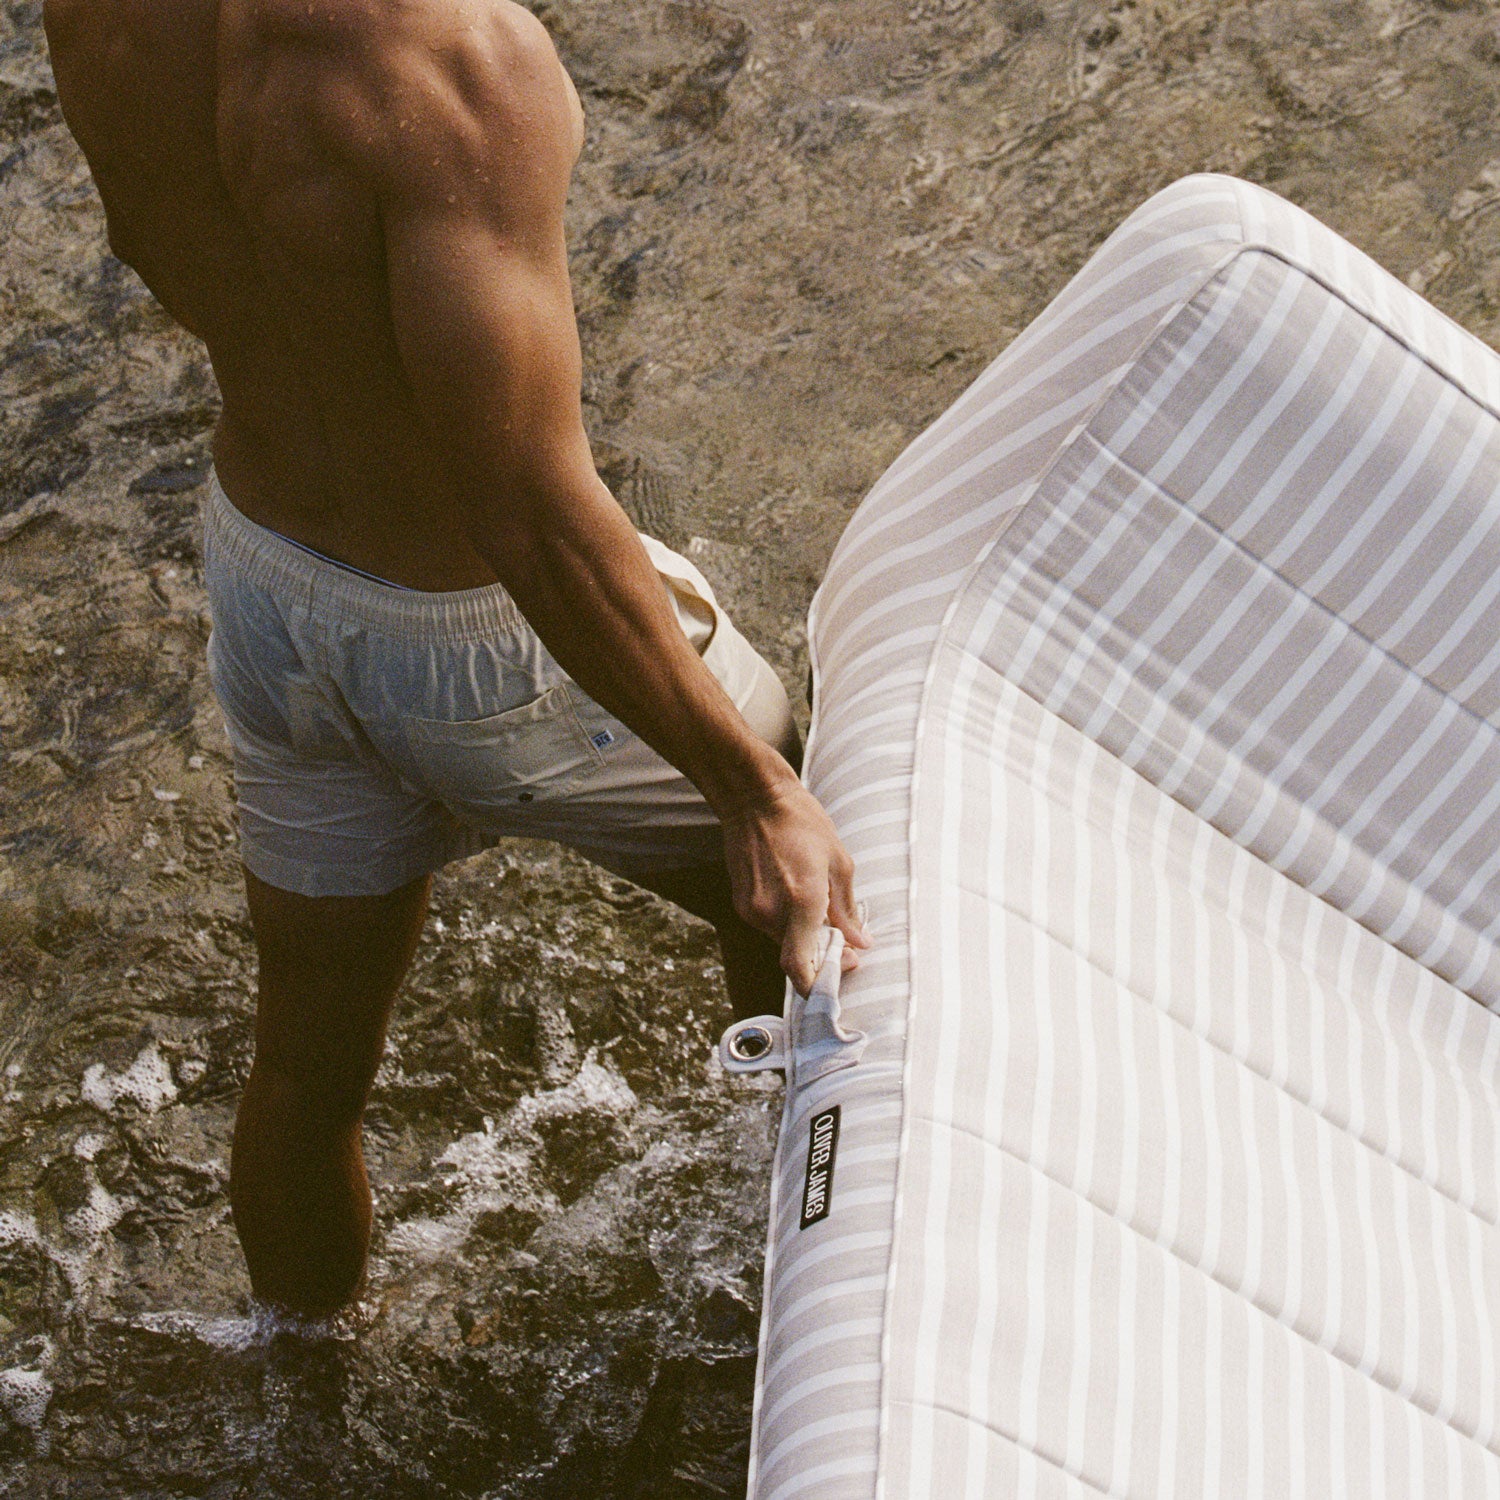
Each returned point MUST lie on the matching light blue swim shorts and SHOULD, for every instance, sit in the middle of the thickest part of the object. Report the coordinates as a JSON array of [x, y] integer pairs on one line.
[[380, 732]]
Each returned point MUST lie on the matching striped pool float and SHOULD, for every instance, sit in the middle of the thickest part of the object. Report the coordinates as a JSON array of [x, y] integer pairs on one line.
[[1155, 1148]]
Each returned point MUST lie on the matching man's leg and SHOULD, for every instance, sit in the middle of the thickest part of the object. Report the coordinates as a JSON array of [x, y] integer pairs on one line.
[[752, 962], [329, 970]]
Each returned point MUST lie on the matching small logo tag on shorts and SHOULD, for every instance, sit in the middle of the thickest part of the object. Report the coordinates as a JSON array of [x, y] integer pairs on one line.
[[822, 1146], [603, 738]]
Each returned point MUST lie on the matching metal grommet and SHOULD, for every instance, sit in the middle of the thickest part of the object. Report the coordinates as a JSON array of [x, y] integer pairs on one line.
[[525, 796], [750, 1044]]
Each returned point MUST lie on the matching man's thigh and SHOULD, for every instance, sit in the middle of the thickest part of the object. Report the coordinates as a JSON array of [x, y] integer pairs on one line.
[[329, 970]]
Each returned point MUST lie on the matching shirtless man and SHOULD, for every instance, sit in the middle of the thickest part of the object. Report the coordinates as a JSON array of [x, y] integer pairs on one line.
[[357, 205]]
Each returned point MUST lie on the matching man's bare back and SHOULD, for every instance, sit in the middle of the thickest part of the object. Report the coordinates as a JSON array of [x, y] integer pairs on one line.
[[240, 148]]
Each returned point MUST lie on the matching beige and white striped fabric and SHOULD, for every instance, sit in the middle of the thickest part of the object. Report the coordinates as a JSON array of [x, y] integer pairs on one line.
[[1158, 694]]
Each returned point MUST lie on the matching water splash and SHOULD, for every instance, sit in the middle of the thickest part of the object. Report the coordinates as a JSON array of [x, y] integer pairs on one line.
[[260, 1327], [493, 1171], [146, 1082]]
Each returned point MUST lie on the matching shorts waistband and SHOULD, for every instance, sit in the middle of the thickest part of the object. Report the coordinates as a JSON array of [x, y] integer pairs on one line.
[[268, 560]]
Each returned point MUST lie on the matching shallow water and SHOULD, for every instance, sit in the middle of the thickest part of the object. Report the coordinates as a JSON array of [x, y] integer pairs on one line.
[[799, 229], [569, 1205]]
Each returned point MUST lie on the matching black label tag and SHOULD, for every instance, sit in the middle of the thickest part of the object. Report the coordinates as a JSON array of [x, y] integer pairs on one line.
[[822, 1147]]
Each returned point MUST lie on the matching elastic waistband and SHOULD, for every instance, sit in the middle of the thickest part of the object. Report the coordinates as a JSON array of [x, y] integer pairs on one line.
[[268, 561]]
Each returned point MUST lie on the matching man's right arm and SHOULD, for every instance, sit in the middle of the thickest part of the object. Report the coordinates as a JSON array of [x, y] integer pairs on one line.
[[472, 185]]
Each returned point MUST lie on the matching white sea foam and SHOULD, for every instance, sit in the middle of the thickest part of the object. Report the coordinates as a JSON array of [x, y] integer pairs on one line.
[[96, 1217], [147, 1082], [18, 1229], [25, 1396], [89, 1145], [89, 1222], [492, 1168]]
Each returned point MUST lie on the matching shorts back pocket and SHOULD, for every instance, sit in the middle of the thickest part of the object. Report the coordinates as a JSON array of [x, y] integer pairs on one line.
[[533, 753]]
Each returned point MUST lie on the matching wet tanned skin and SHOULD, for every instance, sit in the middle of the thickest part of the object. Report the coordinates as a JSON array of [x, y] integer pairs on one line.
[[253, 160], [358, 206]]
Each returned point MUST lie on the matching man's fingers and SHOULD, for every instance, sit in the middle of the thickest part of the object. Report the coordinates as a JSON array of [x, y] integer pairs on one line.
[[843, 912], [799, 949], [791, 875]]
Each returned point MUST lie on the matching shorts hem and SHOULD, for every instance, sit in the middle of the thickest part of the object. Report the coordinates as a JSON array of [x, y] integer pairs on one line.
[[356, 878]]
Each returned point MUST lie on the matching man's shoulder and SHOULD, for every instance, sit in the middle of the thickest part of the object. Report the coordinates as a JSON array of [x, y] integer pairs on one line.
[[395, 84], [489, 46]]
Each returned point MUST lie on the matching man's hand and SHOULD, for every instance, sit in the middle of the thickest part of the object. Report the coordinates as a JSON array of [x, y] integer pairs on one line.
[[790, 875]]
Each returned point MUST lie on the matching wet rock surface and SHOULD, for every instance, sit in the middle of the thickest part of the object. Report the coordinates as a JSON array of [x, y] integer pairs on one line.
[[799, 230]]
